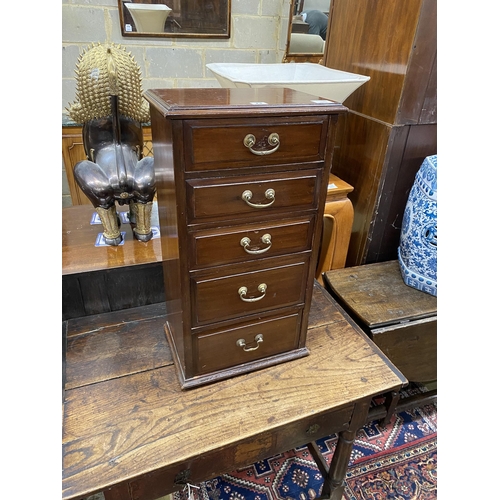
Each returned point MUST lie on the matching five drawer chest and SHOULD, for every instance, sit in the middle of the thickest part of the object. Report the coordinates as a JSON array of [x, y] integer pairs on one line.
[[242, 178]]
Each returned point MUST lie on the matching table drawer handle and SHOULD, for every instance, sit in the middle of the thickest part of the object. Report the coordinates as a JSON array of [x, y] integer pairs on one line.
[[245, 243], [258, 339], [243, 291], [246, 196], [273, 140], [312, 429]]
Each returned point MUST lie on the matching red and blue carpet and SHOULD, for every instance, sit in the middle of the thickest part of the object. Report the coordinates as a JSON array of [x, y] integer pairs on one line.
[[398, 462]]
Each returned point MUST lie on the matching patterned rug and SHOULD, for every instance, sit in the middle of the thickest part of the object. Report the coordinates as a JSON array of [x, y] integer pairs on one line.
[[398, 462]]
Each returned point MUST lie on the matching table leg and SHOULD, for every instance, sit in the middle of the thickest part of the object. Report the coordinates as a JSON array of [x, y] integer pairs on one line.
[[391, 401], [333, 487]]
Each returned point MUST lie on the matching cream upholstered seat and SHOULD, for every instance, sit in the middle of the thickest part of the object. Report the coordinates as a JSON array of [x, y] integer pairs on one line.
[[303, 43]]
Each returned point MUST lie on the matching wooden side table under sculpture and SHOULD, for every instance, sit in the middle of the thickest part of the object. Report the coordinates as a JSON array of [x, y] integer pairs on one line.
[[242, 178], [111, 107]]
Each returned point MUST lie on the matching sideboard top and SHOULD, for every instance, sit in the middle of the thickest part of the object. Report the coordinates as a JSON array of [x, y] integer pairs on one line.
[[229, 101]]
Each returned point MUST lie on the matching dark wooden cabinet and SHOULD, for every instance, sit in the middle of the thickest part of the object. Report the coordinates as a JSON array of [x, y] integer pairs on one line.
[[242, 178], [392, 120]]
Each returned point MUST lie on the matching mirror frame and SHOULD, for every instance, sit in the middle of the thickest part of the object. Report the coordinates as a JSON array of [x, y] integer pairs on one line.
[[224, 20], [316, 57]]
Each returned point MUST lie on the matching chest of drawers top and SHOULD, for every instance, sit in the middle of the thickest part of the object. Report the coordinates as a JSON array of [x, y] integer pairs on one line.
[[267, 101], [241, 177]]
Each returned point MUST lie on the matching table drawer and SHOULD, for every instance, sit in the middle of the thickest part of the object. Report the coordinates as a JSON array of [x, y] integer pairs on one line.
[[314, 427], [218, 298], [219, 144], [247, 343], [251, 242], [264, 194]]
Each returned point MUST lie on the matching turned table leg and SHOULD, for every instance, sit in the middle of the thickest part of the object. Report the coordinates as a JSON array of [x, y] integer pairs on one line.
[[334, 476]]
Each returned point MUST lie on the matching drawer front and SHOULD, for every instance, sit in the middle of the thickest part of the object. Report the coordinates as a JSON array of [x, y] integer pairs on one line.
[[216, 145], [221, 298], [314, 427], [251, 342], [260, 195], [237, 244]]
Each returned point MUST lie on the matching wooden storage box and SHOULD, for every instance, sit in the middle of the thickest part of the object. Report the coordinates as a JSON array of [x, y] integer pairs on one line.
[[401, 320]]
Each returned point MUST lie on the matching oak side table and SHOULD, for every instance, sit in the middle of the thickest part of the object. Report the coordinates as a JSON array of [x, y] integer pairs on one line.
[[130, 431]]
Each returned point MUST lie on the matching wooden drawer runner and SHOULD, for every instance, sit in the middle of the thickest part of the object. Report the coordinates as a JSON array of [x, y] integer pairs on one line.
[[219, 145], [223, 197], [219, 350], [217, 298], [238, 244]]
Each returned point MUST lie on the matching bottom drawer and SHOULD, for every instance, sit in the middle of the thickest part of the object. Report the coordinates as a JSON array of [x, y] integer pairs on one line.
[[235, 346]]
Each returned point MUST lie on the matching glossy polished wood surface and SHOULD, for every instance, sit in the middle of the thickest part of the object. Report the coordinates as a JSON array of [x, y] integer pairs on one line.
[[268, 101], [80, 255], [301, 139], [375, 39], [361, 163], [127, 425], [395, 43]]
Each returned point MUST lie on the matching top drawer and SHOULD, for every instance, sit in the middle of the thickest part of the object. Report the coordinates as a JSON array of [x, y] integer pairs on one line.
[[220, 144]]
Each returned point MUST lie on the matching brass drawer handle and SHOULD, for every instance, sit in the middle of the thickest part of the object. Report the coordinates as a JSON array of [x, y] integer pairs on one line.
[[243, 291], [273, 140], [258, 339], [245, 243], [246, 196]]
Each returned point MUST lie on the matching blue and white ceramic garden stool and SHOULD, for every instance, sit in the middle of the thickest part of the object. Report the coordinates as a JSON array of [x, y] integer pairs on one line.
[[417, 252]]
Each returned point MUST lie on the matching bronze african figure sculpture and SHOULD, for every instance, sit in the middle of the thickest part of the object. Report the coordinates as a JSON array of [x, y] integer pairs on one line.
[[110, 106]]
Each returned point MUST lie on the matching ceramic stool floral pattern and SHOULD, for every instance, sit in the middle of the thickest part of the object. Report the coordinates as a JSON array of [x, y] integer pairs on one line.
[[417, 252]]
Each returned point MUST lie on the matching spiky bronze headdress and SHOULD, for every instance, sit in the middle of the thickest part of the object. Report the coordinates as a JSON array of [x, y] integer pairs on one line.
[[102, 71]]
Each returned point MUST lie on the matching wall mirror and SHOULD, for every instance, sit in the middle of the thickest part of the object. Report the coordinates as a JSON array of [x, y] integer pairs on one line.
[[307, 37], [175, 18]]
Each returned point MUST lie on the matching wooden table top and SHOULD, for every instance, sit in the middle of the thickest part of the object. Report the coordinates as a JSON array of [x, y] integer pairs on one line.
[[377, 294], [125, 415], [79, 253]]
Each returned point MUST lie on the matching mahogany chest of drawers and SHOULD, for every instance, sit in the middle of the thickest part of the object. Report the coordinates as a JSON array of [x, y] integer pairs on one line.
[[241, 179]]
